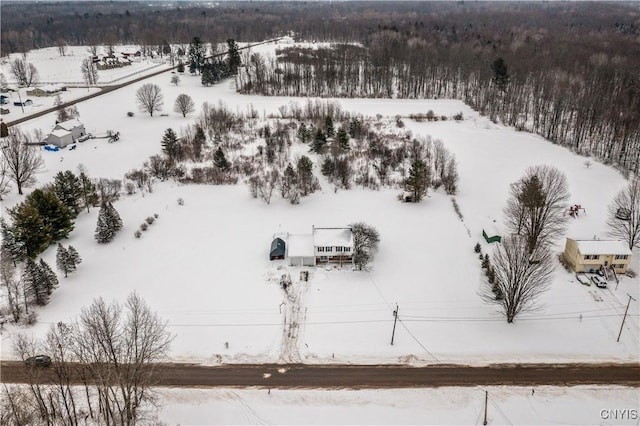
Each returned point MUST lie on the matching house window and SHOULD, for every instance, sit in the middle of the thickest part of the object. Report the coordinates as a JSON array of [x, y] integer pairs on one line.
[[328, 249], [592, 257], [320, 249], [347, 249], [338, 249], [621, 256], [618, 266]]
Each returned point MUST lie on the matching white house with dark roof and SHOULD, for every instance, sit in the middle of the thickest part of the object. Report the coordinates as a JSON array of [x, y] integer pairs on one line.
[[323, 245], [592, 255]]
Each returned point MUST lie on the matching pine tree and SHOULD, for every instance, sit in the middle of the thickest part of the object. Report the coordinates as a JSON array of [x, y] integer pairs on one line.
[[208, 75], [328, 167], [328, 126], [74, 258], [418, 181], [67, 188], [319, 142], [220, 160], [170, 144], [29, 230], [109, 223], [343, 139], [49, 278], [10, 242], [289, 181], [306, 182], [55, 215], [36, 290], [88, 193], [234, 56], [196, 54], [62, 259], [303, 133], [500, 73]]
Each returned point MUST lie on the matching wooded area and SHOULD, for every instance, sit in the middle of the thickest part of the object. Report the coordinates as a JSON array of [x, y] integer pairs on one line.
[[566, 71]]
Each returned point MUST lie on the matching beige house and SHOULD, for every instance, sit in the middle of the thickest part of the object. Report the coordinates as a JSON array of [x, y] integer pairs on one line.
[[591, 255]]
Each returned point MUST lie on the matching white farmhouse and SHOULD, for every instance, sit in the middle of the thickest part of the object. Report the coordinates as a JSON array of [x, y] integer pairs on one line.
[[66, 132], [323, 245]]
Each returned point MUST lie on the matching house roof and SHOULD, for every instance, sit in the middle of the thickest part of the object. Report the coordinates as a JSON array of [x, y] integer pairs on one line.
[[602, 247], [340, 237], [69, 124], [300, 245], [60, 133]]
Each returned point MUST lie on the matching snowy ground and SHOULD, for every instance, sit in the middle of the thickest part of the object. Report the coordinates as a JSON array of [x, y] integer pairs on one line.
[[442, 406], [204, 266]]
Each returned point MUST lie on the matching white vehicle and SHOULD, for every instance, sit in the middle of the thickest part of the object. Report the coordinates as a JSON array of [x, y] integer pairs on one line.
[[598, 281]]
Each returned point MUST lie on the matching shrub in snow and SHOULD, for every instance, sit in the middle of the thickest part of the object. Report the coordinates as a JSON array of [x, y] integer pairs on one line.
[[477, 248], [150, 219], [137, 234], [144, 226], [458, 116], [180, 202], [129, 114], [156, 215]]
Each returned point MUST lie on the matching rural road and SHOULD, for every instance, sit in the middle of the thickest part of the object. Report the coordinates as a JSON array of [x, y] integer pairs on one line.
[[370, 376], [106, 89]]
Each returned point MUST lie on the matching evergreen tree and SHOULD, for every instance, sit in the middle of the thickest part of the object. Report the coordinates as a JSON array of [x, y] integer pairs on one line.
[[62, 259], [30, 231], [303, 133], [196, 55], [220, 160], [342, 138], [88, 192], [500, 73], [74, 258], [328, 167], [328, 126], [418, 181], [55, 215], [319, 142], [306, 182], [10, 242], [67, 188], [170, 144], [109, 223], [180, 67], [289, 181], [35, 287], [209, 74], [49, 278], [234, 56]]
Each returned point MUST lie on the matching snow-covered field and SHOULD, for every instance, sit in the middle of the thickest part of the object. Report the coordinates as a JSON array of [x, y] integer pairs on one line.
[[204, 266], [442, 406]]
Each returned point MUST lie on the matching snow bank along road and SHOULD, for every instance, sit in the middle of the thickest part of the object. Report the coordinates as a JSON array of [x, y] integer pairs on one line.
[[368, 376]]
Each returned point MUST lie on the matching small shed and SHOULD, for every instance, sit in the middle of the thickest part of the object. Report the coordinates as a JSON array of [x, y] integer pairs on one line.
[[278, 249]]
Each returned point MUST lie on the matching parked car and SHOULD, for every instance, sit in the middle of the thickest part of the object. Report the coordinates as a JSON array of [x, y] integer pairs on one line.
[[598, 281], [42, 361]]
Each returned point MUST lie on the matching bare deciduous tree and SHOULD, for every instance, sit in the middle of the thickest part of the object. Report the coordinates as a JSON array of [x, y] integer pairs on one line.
[[365, 243], [25, 72], [520, 276], [5, 179], [150, 98], [184, 105], [536, 205], [89, 72], [22, 161], [624, 214], [62, 47]]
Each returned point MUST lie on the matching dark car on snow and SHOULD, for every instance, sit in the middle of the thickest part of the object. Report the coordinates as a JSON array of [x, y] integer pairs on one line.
[[42, 361]]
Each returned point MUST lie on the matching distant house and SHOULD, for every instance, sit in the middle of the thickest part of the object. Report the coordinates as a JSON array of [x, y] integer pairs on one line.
[[278, 249], [66, 132], [323, 245], [48, 90], [592, 255]]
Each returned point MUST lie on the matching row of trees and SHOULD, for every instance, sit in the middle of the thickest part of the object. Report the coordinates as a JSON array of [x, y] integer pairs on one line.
[[150, 99], [111, 348]]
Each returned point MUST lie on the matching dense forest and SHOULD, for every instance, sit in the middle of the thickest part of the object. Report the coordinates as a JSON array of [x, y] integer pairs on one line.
[[566, 71]]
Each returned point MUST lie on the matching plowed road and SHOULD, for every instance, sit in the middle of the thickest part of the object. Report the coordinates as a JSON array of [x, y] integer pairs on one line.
[[370, 376]]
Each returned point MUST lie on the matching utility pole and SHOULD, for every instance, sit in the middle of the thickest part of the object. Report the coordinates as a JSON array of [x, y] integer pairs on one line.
[[395, 319], [486, 400], [625, 316]]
